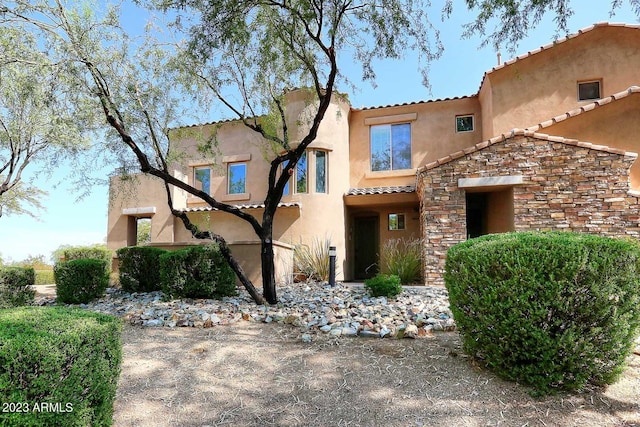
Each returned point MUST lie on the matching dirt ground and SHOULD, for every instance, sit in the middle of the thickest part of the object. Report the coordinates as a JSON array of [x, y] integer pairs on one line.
[[250, 374]]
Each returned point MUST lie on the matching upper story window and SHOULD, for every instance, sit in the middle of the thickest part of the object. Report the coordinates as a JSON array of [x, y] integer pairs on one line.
[[202, 178], [321, 171], [237, 178], [464, 123], [390, 147], [302, 169], [589, 90]]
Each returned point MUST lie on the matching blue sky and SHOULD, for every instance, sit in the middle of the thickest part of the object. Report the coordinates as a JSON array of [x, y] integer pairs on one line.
[[457, 73]]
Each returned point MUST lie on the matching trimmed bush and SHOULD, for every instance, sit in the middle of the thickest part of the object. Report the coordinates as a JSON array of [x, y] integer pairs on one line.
[[138, 268], [66, 359], [551, 310], [80, 281], [383, 285], [16, 286], [196, 272], [89, 252], [403, 258]]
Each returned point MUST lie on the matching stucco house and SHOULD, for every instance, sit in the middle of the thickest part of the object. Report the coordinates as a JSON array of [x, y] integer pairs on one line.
[[547, 142]]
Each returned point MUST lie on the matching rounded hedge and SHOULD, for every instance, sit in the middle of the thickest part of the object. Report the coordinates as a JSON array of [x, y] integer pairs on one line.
[[196, 272], [552, 310], [139, 268], [16, 286], [80, 281], [58, 366]]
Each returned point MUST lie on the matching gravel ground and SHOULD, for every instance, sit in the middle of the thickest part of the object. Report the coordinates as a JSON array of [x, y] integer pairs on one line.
[[256, 374]]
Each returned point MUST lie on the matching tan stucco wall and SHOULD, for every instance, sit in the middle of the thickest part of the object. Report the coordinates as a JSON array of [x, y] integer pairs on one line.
[[543, 85], [616, 125], [139, 192], [433, 135]]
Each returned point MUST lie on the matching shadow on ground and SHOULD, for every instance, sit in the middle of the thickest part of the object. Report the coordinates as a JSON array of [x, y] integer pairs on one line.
[[252, 374]]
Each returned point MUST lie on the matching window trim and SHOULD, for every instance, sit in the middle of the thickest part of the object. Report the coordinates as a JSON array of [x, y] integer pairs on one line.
[[246, 168], [391, 169], [403, 222], [583, 82], [462, 116]]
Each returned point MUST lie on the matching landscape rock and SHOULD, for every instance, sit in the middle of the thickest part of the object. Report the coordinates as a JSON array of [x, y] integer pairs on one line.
[[341, 310]]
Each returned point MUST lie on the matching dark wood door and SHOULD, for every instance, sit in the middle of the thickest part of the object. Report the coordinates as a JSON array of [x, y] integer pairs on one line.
[[365, 247]]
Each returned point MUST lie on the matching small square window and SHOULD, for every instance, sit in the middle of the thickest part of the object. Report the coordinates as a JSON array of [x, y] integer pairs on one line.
[[589, 90], [464, 123], [396, 221]]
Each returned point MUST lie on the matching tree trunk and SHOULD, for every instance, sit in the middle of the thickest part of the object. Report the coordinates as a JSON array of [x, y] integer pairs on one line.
[[226, 253], [268, 271]]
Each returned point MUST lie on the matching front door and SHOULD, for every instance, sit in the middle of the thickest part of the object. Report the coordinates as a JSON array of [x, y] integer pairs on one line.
[[365, 246]]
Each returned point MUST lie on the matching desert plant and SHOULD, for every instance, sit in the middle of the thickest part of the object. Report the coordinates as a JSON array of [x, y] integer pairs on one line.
[[383, 285], [196, 272], [16, 286], [551, 310], [312, 260], [81, 280], [45, 277], [69, 358], [403, 258], [139, 268]]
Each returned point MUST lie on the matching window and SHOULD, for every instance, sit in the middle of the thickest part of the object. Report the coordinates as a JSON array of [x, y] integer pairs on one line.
[[589, 90], [237, 178], [396, 221], [391, 147], [321, 171], [202, 179], [464, 123], [301, 174]]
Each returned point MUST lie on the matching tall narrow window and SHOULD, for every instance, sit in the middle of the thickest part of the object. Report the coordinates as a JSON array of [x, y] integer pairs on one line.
[[202, 179], [390, 147], [237, 178], [301, 174], [321, 171]]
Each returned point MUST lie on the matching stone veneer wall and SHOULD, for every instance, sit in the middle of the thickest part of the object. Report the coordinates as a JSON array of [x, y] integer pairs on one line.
[[566, 186]]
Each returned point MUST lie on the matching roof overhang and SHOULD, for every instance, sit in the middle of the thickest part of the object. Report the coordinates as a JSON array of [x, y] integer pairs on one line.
[[242, 206], [375, 196]]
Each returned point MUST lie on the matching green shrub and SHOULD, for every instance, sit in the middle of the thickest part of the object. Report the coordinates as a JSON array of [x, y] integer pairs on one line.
[[88, 252], [69, 358], [44, 277], [403, 258], [81, 280], [312, 260], [16, 286], [196, 272], [551, 310], [383, 285], [138, 267]]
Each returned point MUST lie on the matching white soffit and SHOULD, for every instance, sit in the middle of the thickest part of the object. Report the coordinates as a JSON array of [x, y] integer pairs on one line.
[[150, 210], [491, 181]]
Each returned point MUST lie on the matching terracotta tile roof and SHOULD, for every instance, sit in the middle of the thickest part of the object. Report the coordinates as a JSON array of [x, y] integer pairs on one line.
[[522, 132], [381, 190], [243, 206], [585, 108], [413, 103], [555, 43]]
